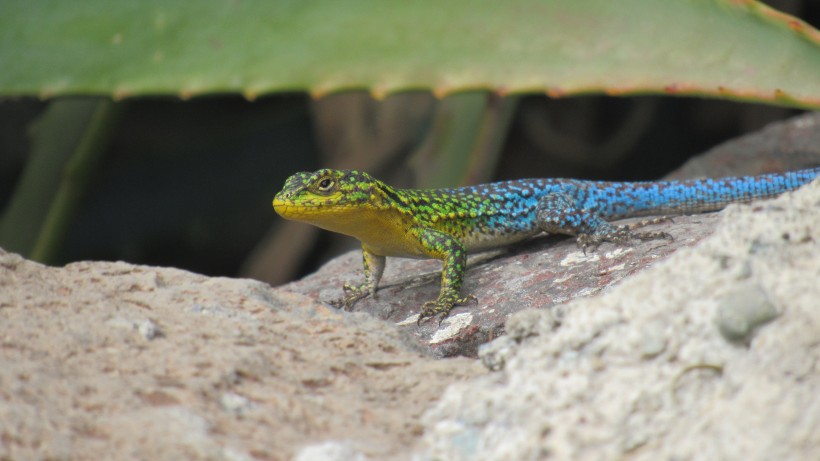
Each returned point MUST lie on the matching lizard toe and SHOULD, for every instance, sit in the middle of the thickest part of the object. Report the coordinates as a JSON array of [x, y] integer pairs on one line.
[[441, 308]]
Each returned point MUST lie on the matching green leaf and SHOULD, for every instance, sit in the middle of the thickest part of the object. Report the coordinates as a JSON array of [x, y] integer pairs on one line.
[[725, 48]]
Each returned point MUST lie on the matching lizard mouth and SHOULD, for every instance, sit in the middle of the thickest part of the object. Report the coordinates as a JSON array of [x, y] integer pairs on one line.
[[291, 209]]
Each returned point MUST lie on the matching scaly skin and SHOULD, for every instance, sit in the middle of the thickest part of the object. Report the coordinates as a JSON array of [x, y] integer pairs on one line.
[[445, 224]]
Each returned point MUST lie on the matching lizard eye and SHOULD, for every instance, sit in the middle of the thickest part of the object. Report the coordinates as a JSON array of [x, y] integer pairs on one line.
[[325, 185]]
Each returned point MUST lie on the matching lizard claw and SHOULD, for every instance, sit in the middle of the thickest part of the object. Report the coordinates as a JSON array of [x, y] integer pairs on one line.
[[441, 308], [352, 295], [621, 235]]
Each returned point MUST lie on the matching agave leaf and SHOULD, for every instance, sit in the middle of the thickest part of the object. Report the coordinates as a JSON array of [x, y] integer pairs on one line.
[[737, 49]]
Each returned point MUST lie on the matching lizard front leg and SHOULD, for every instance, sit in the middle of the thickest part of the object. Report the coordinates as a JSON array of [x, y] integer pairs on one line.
[[558, 213], [373, 270], [451, 252]]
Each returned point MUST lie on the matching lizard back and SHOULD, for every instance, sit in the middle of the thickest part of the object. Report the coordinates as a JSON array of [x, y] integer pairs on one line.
[[490, 215]]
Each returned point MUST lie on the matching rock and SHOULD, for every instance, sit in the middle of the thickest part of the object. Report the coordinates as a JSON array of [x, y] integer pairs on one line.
[[115, 361], [329, 451], [640, 372], [743, 310]]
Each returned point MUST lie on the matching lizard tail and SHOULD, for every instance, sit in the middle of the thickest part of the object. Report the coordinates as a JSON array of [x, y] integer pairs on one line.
[[692, 196]]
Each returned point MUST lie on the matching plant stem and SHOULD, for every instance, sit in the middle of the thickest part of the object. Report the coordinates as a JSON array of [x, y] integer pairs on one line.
[[75, 178]]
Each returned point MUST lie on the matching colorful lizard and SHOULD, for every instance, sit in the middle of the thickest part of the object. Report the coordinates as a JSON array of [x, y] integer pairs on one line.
[[445, 224]]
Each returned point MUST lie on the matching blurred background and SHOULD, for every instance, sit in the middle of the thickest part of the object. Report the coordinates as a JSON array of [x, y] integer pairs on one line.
[[189, 183]]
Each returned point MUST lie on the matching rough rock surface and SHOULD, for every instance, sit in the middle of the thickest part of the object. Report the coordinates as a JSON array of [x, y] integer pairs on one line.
[[116, 361], [711, 354], [538, 274]]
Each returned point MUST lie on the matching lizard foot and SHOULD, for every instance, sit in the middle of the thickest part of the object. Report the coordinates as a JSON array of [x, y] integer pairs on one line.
[[649, 222], [352, 295], [442, 307], [621, 235]]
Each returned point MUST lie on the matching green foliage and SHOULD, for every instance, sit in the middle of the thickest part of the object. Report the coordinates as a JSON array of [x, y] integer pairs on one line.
[[724, 48]]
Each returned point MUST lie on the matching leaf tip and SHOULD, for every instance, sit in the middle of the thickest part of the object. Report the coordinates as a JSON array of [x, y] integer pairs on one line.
[[797, 25]]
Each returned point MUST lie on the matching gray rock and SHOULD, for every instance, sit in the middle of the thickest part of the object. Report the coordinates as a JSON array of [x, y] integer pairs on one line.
[[741, 311], [237, 371], [329, 451]]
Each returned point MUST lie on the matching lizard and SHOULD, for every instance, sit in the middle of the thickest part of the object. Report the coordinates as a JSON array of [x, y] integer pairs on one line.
[[448, 223]]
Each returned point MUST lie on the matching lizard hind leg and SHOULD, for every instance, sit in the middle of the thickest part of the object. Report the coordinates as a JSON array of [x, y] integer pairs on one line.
[[558, 213]]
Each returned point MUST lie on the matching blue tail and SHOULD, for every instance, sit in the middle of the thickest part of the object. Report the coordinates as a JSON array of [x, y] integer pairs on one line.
[[628, 199]]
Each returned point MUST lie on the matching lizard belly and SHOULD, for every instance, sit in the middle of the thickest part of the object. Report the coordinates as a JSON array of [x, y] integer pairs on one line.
[[397, 250], [390, 237], [488, 241]]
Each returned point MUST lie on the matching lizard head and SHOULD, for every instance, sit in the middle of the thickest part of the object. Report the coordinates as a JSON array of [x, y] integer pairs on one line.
[[327, 198]]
